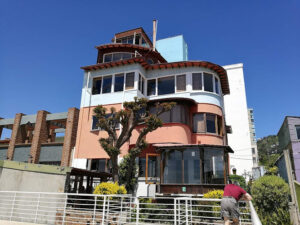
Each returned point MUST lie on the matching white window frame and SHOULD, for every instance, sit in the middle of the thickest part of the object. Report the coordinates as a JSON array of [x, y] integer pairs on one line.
[[111, 88], [185, 83], [214, 85]]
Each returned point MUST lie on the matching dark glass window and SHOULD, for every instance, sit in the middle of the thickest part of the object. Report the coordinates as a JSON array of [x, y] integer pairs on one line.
[[129, 81], [217, 85], [117, 56], [197, 81], [210, 123], [99, 165], [141, 84], [208, 82], [137, 39], [181, 82], [191, 159], [298, 131], [108, 58], [96, 86], [126, 55], [151, 87], [213, 171], [153, 169], [172, 160], [119, 82], [94, 123], [198, 123], [166, 85], [142, 167], [107, 81]]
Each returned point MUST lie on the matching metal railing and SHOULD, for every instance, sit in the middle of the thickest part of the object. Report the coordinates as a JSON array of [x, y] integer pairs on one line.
[[69, 208]]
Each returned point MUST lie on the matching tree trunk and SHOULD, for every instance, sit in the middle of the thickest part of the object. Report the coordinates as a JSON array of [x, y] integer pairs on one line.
[[115, 168]]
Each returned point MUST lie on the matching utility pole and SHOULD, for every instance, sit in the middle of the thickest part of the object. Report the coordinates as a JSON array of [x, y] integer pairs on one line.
[[294, 209]]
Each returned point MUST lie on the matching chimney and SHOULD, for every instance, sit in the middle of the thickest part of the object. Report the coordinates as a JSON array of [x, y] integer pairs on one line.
[[154, 33]]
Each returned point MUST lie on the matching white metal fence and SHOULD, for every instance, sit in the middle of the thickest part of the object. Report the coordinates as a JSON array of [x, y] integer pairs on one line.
[[70, 209]]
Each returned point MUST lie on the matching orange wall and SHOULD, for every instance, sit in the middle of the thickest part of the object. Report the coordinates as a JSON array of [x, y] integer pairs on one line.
[[87, 144]]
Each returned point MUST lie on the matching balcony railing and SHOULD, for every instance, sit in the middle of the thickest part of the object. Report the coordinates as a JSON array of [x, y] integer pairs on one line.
[[67, 208]]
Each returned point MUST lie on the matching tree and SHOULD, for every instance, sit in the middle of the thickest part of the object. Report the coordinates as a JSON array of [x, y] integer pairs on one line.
[[271, 197], [268, 150], [134, 114]]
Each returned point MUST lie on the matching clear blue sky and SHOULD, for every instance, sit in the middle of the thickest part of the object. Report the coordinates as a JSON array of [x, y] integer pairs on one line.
[[44, 43]]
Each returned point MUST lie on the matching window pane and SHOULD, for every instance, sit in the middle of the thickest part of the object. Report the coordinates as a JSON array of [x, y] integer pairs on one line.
[[117, 56], [197, 81], [119, 82], [137, 39], [176, 114], [108, 58], [130, 40], [181, 83], [220, 125], [208, 82], [129, 81], [213, 164], [153, 169], [210, 123], [172, 167], [217, 85], [198, 123], [166, 85], [151, 87], [142, 167], [94, 125], [126, 55], [191, 159], [96, 86], [140, 82], [107, 84], [165, 117], [298, 131], [143, 84]]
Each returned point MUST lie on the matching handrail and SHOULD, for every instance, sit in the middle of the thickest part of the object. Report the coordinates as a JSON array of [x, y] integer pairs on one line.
[[254, 217]]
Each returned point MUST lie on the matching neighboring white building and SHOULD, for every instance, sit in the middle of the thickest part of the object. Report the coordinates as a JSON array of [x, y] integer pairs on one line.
[[236, 114], [253, 137]]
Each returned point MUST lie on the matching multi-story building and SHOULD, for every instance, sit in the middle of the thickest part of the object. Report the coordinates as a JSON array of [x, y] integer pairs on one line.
[[253, 137], [289, 139], [189, 154]]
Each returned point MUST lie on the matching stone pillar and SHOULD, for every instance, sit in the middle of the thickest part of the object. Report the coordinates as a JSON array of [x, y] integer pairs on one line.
[[70, 135], [1, 128], [16, 137], [40, 135]]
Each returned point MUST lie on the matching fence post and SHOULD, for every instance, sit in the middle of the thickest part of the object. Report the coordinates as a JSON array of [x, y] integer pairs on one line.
[[65, 206], [103, 212], [175, 222], [12, 207], [137, 211], [179, 212], [186, 212], [191, 207], [37, 208], [120, 216], [95, 207]]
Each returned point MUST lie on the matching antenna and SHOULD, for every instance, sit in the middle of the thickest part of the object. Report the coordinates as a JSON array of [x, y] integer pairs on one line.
[[154, 33]]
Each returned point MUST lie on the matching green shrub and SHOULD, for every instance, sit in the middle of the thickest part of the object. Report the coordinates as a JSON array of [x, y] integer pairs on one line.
[[271, 197], [239, 179], [107, 188]]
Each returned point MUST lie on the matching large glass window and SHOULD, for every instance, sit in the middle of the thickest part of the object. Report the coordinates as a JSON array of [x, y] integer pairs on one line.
[[97, 82], [206, 122], [112, 57], [142, 167], [193, 166], [210, 123], [172, 160], [95, 122], [197, 81], [99, 165], [151, 87], [181, 83], [208, 82], [166, 85], [298, 131], [129, 81], [119, 82], [199, 123], [107, 81], [213, 166], [191, 159]]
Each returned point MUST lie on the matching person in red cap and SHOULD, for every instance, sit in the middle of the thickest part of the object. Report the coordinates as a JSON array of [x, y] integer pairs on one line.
[[229, 204]]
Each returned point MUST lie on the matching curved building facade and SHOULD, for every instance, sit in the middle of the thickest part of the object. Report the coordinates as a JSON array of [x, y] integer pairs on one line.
[[189, 154]]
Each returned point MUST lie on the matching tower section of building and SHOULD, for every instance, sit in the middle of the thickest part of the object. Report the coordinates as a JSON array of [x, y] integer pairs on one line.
[[189, 154]]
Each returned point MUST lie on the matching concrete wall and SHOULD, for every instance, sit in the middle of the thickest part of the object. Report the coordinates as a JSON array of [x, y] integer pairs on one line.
[[236, 115], [284, 135], [173, 49], [296, 158], [280, 163]]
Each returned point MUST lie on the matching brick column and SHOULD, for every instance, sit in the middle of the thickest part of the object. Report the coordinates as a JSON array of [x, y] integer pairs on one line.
[[70, 136], [40, 135], [16, 137], [1, 128]]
